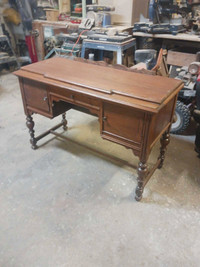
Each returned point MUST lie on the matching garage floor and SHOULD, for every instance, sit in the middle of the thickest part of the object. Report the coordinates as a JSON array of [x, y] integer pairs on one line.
[[66, 204]]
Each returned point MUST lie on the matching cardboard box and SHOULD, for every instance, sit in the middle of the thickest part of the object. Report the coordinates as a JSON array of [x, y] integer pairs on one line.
[[127, 12], [52, 14]]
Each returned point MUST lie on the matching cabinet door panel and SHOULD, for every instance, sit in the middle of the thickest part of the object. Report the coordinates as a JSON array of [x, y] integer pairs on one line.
[[123, 123], [36, 95]]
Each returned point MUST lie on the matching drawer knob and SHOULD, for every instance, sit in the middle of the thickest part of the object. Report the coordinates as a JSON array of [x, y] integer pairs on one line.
[[104, 118], [45, 98]]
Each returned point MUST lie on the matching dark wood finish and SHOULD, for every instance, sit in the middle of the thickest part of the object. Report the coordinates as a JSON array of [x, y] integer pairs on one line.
[[165, 140], [30, 124], [36, 95], [134, 110], [39, 137], [120, 122], [64, 121], [142, 172]]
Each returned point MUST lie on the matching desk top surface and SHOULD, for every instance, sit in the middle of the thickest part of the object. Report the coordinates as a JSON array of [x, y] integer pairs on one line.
[[103, 82]]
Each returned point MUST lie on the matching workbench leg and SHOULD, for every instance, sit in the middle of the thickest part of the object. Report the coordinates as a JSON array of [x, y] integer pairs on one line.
[[30, 124], [64, 121], [119, 56], [165, 140], [142, 172], [83, 51], [101, 55]]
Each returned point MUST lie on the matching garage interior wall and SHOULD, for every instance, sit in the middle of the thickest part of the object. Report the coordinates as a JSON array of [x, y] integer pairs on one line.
[[127, 11]]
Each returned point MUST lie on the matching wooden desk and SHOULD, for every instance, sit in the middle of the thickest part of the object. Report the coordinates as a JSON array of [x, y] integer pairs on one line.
[[134, 110]]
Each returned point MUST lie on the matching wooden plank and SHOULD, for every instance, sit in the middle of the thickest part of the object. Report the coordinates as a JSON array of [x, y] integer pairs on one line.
[[179, 58], [179, 36], [39, 39], [64, 6]]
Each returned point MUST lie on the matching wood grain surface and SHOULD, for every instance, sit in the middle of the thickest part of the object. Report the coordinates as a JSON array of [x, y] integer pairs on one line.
[[106, 80]]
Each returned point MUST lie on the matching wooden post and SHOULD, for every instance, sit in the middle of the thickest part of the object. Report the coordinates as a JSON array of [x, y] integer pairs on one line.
[[64, 6], [83, 9]]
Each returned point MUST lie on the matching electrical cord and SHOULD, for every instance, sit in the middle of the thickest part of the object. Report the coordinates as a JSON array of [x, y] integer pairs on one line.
[[78, 40]]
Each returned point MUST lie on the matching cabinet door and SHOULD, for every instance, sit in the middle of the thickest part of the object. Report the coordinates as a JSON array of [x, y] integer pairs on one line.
[[122, 124], [36, 95]]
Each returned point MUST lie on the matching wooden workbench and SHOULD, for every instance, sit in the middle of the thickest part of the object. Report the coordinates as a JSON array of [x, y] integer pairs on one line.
[[180, 36], [56, 26], [182, 40], [60, 27]]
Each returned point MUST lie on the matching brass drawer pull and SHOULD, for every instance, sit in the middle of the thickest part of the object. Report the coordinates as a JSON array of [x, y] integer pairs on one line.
[[45, 98]]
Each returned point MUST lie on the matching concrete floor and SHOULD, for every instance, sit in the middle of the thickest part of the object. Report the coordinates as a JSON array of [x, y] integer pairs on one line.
[[67, 205]]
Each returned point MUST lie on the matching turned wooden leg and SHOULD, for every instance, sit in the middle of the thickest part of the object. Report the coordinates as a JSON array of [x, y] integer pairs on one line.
[[165, 140], [142, 172], [30, 124], [64, 121]]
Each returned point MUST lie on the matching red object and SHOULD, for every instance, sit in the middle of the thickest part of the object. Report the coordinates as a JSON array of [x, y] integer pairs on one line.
[[75, 21], [198, 79], [78, 39], [30, 42], [78, 9], [64, 17]]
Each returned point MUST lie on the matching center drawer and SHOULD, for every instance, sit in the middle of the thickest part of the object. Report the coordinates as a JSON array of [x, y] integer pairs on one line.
[[75, 98]]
